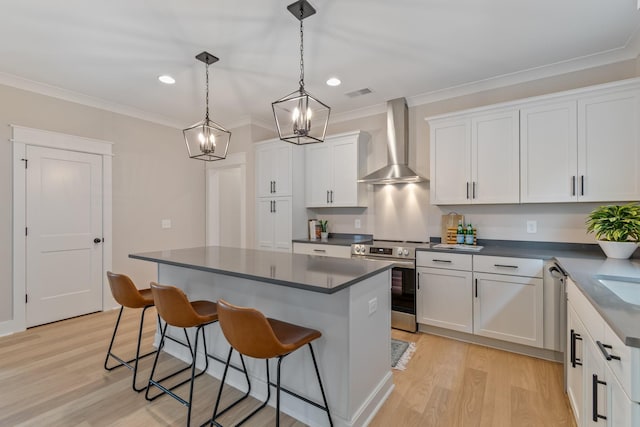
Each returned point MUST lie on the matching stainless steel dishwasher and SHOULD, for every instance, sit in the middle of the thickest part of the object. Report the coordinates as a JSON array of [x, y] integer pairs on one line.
[[555, 303]]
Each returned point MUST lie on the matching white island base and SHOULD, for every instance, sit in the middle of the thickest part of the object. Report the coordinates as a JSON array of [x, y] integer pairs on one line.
[[353, 353]]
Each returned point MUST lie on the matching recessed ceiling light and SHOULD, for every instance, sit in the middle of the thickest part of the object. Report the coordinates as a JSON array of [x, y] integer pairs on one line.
[[166, 79], [334, 81]]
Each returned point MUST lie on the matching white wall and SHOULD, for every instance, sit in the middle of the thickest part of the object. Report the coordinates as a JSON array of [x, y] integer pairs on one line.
[[153, 179]]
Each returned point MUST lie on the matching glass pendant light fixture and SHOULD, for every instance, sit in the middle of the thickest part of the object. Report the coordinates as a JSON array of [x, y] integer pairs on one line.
[[207, 140], [300, 117]]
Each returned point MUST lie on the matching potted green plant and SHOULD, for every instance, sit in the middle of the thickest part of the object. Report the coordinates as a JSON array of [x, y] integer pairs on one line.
[[324, 234], [617, 229]]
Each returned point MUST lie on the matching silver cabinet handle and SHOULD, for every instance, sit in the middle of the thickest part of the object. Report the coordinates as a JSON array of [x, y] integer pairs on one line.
[[442, 260], [505, 266], [327, 196], [603, 348], [582, 185], [274, 186], [331, 196], [467, 189], [476, 280], [573, 185], [320, 250], [474, 189], [274, 206]]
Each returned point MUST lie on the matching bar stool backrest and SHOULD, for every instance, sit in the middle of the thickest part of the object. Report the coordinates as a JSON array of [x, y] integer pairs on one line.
[[124, 291], [174, 307], [248, 331]]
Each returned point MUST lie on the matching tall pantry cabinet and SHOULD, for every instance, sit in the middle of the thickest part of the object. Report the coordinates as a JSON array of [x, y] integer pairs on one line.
[[280, 212]]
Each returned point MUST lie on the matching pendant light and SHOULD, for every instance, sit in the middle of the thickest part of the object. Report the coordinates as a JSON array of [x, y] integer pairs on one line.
[[300, 117], [207, 140]]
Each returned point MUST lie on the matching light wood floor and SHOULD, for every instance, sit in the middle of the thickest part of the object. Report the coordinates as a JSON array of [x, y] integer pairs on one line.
[[52, 375]]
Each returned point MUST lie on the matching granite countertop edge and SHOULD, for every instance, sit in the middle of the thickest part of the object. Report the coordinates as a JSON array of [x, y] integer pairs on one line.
[[151, 256], [581, 262]]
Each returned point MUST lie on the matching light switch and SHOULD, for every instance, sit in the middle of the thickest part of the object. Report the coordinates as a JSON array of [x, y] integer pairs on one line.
[[357, 223], [166, 223], [373, 305]]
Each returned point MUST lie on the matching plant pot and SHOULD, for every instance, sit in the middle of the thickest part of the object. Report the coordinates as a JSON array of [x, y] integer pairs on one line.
[[324, 235], [618, 250]]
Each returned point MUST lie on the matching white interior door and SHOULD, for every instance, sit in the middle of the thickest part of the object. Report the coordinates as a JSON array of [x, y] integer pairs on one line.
[[63, 217]]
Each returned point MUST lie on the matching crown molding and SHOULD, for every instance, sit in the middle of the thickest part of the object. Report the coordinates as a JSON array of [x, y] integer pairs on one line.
[[89, 101]]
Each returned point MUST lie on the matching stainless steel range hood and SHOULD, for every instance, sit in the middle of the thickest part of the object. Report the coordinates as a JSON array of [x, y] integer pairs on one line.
[[396, 171]]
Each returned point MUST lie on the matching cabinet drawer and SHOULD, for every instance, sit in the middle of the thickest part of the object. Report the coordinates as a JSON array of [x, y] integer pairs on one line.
[[444, 260], [627, 369], [323, 250], [507, 265]]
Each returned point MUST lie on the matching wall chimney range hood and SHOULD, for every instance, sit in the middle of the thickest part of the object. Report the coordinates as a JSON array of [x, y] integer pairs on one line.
[[396, 171]]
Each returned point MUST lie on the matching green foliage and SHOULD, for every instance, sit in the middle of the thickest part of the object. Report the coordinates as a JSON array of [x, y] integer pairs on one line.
[[615, 223], [323, 225]]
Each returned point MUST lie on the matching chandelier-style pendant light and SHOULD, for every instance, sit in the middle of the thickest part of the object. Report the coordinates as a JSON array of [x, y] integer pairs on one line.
[[207, 140], [300, 117]]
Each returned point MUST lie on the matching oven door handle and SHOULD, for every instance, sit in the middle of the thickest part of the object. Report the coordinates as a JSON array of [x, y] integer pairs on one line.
[[399, 263]]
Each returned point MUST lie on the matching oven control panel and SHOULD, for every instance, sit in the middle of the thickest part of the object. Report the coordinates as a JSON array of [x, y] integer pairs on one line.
[[383, 251]]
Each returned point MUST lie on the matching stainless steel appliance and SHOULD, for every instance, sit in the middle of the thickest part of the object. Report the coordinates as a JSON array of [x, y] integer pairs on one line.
[[403, 277]]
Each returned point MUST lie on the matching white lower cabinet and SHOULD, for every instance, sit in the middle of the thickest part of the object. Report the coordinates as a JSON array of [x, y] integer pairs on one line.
[[274, 223], [495, 297], [598, 395], [508, 308], [444, 298]]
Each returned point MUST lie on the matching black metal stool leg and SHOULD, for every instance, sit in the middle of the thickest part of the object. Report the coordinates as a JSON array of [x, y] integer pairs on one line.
[[278, 393], [324, 398], [136, 359], [259, 408], [216, 414]]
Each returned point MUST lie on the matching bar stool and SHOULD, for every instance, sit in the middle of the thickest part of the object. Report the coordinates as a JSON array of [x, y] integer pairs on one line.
[[252, 334], [127, 295], [176, 310]]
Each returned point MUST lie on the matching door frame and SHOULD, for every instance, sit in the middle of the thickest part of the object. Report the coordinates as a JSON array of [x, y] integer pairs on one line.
[[232, 161], [21, 138]]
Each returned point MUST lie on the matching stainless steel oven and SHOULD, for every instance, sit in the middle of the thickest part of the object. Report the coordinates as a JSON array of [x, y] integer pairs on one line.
[[403, 277]]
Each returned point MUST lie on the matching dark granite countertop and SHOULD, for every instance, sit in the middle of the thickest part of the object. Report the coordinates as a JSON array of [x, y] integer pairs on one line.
[[582, 262], [339, 239], [314, 273]]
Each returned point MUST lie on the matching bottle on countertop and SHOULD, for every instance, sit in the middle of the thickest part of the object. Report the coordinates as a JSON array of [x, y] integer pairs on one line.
[[460, 233], [469, 235]]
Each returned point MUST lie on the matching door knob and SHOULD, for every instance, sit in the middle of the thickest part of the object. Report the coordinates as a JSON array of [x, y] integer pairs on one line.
[[97, 240]]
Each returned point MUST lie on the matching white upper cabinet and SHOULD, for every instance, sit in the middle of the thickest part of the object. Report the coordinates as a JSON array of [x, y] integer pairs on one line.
[[273, 169], [548, 153], [332, 170], [450, 162], [576, 146], [609, 147], [474, 159]]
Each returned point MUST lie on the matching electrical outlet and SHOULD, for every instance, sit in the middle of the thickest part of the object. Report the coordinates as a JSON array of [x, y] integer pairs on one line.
[[532, 227], [373, 305], [357, 223], [166, 223]]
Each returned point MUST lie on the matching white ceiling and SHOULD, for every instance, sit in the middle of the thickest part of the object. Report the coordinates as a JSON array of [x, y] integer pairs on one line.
[[110, 53]]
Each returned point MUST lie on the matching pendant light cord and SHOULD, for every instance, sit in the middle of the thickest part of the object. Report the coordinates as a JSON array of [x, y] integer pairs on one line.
[[301, 50], [206, 117]]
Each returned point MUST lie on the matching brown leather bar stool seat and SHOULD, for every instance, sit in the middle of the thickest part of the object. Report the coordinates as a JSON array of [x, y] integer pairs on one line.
[[252, 334], [126, 294], [176, 310]]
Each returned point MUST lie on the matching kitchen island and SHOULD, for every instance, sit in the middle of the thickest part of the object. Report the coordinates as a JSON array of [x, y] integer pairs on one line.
[[348, 301]]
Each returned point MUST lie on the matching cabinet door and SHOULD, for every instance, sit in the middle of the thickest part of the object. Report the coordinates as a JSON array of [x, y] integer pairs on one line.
[[548, 153], [282, 224], [344, 185], [596, 388], [450, 154], [444, 299], [317, 174], [281, 171], [264, 175], [609, 147], [574, 359], [508, 308], [495, 158], [265, 222]]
